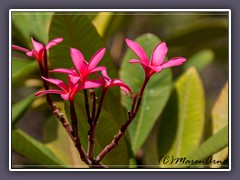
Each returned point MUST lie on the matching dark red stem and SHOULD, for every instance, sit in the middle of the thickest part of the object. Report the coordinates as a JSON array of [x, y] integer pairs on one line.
[[123, 128], [92, 129]]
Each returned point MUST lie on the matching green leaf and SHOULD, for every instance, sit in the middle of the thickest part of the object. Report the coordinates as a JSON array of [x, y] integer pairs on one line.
[[211, 146], [22, 68], [34, 150], [182, 122], [19, 108], [30, 24], [199, 34], [200, 60], [78, 32], [101, 21], [58, 141], [220, 120], [155, 95], [107, 127], [220, 110], [201, 31]]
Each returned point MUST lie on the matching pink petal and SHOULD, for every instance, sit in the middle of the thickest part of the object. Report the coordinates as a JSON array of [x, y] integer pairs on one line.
[[84, 68], [65, 71], [77, 58], [125, 89], [65, 96], [49, 92], [159, 54], [37, 46], [121, 84], [99, 68], [20, 48], [105, 75], [74, 88], [132, 61], [138, 50], [174, 62], [96, 58], [30, 54], [54, 42], [74, 79], [57, 82], [156, 69], [91, 84]]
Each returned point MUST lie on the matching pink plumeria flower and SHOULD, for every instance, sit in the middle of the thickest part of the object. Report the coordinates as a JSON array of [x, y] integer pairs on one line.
[[82, 68], [39, 49], [156, 63], [68, 92], [108, 82]]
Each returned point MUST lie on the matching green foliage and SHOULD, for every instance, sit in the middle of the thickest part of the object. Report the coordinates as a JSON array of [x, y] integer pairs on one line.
[[183, 118], [19, 108], [155, 95], [200, 60], [22, 68], [220, 120], [78, 32], [58, 141], [34, 150], [200, 34], [30, 24], [211, 146]]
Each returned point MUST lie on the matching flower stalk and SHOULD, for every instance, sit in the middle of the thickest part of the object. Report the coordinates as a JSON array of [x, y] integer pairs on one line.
[[124, 127]]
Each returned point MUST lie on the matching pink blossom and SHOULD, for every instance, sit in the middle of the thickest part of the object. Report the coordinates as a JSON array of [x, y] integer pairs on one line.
[[108, 82], [82, 68], [156, 63], [39, 49], [68, 92]]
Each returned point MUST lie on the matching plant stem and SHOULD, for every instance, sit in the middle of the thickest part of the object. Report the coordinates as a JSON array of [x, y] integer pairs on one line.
[[100, 105], [78, 145], [93, 95], [92, 129], [65, 123], [44, 72], [139, 100], [123, 128], [87, 105]]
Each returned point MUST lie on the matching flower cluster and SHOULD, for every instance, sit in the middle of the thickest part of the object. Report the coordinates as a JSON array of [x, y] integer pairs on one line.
[[156, 63], [79, 78]]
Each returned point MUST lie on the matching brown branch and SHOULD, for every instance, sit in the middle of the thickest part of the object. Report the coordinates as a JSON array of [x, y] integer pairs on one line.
[[60, 117], [124, 127]]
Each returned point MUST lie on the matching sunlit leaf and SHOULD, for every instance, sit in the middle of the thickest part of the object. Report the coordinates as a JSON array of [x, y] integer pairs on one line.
[[211, 146], [34, 150], [220, 120], [30, 24], [101, 21], [182, 122], [58, 141]]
